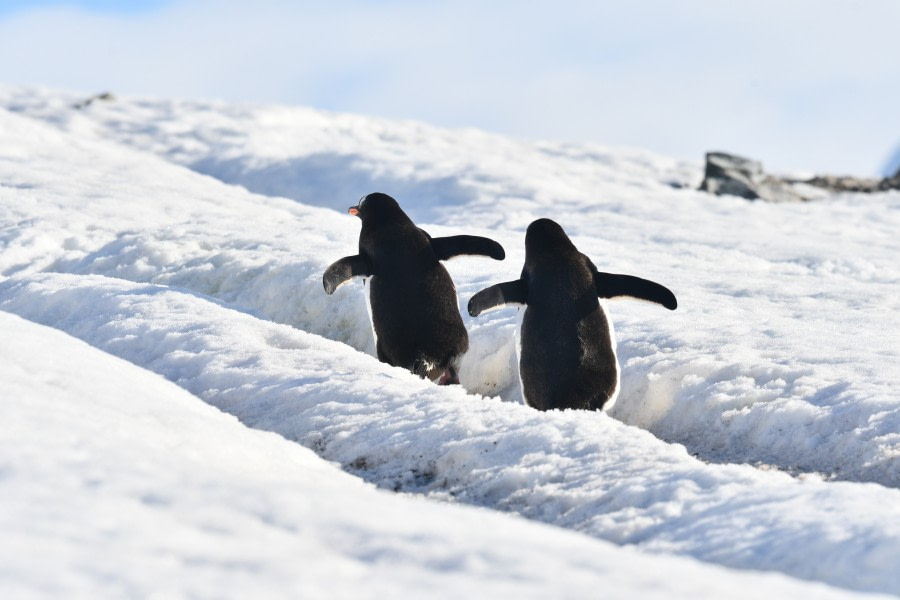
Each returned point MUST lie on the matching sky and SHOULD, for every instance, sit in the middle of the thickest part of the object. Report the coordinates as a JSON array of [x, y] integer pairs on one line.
[[808, 86]]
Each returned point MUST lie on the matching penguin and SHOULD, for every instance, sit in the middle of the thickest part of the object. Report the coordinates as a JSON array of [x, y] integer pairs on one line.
[[414, 308], [567, 356]]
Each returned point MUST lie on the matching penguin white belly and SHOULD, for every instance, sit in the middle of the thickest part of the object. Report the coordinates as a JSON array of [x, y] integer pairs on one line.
[[367, 292], [612, 346], [518, 341]]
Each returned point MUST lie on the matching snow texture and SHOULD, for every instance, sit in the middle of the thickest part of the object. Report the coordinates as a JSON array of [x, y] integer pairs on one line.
[[116, 483], [757, 426]]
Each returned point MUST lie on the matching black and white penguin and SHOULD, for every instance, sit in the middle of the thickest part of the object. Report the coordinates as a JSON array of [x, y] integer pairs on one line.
[[567, 356], [414, 308]]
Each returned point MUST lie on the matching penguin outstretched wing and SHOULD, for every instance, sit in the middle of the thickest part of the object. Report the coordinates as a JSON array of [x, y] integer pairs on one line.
[[611, 285], [509, 292], [455, 245], [340, 272]]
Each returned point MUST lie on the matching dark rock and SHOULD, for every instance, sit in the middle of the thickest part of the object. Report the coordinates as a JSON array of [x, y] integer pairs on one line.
[[844, 183], [890, 183], [730, 174], [855, 184], [739, 176], [105, 96]]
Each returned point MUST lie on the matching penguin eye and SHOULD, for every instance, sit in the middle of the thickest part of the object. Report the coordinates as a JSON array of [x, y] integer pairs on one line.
[[362, 201]]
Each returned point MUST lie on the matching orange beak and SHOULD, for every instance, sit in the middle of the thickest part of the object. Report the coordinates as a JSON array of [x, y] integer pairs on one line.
[[353, 211]]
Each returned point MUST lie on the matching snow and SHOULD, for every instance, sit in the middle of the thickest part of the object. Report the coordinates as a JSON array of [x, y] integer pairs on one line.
[[757, 426], [116, 483]]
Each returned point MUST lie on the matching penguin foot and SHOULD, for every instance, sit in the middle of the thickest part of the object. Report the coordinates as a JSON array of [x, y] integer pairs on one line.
[[450, 377]]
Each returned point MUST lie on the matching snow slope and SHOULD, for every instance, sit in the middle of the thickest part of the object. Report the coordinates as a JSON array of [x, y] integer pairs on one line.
[[117, 483], [583, 471], [780, 352], [776, 355]]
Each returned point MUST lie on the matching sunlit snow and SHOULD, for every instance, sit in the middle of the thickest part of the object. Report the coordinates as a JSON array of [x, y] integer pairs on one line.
[[757, 426]]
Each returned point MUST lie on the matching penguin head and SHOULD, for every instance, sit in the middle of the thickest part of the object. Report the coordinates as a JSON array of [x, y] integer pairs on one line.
[[545, 235], [377, 207]]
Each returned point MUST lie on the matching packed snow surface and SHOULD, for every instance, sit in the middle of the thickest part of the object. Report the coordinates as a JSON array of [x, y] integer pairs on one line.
[[757, 426], [116, 483]]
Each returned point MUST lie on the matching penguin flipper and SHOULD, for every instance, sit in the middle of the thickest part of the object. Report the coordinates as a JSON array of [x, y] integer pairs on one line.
[[509, 292], [342, 271], [610, 285], [455, 245]]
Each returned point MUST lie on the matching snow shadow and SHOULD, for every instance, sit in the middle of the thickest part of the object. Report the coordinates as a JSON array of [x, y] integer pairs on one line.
[[337, 181]]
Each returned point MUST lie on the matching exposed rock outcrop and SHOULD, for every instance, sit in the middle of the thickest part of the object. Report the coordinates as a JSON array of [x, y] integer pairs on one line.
[[105, 97], [854, 184], [731, 174], [739, 176]]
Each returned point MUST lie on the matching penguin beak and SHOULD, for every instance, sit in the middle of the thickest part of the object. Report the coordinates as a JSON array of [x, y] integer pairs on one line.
[[353, 210]]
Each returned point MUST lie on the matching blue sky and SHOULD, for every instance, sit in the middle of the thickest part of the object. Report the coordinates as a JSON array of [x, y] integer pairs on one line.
[[806, 85], [107, 6]]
